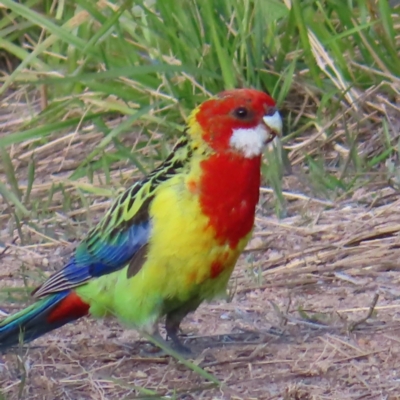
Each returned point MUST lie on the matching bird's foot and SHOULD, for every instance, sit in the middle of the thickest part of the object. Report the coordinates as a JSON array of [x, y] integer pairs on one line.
[[181, 349], [178, 346], [158, 346]]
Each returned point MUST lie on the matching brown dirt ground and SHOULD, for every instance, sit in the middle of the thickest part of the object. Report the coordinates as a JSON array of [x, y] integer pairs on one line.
[[290, 329], [295, 328]]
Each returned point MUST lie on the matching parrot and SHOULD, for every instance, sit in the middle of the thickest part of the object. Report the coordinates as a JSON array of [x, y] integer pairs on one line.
[[172, 239]]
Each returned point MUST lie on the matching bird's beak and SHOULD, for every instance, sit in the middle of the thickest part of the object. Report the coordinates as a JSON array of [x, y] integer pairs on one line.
[[273, 123]]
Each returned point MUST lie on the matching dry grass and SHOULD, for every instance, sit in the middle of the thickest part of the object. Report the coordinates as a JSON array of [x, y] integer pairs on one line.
[[296, 326]]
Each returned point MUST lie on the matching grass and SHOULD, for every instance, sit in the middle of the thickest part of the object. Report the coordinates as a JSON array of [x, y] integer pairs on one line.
[[94, 95]]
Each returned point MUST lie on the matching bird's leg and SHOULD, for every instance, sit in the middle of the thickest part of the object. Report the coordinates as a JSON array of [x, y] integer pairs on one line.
[[173, 321], [160, 346], [172, 324]]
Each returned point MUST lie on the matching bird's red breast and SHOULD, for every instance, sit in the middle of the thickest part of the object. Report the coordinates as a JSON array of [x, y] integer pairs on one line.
[[229, 193]]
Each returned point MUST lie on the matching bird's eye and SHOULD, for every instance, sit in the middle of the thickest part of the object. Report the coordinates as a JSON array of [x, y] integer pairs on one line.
[[241, 113]]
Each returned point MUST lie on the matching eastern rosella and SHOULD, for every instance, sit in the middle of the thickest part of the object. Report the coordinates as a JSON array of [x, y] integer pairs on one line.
[[171, 240]]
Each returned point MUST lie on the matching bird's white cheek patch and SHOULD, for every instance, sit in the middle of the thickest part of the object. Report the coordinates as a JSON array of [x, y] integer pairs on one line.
[[250, 141]]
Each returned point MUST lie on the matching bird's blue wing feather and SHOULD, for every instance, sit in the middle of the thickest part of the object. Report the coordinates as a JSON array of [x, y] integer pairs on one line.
[[108, 247], [108, 257]]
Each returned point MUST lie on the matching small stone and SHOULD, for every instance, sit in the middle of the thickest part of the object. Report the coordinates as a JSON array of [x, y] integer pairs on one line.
[[140, 374]]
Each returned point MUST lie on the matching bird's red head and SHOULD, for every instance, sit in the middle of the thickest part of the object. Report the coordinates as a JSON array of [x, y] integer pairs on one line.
[[239, 120]]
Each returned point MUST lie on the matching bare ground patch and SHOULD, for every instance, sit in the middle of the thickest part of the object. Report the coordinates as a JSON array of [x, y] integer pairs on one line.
[[294, 329]]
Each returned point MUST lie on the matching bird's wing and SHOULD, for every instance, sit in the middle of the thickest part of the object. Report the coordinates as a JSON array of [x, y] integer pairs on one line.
[[122, 234]]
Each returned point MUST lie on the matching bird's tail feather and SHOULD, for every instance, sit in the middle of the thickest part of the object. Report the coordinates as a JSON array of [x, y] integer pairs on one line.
[[41, 317]]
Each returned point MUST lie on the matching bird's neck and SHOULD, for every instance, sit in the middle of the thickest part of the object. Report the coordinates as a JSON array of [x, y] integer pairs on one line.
[[227, 185], [228, 190]]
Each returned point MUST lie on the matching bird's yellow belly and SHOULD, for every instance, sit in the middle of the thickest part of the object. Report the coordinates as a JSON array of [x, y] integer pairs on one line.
[[184, 260]]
